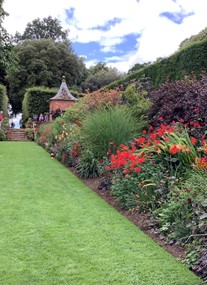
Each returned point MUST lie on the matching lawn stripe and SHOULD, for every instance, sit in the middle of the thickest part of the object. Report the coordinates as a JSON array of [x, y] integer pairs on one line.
[[55, 230]]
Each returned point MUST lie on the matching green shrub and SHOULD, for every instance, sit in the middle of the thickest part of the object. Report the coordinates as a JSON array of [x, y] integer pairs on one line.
[[2, 135], [188, 60], [180, 216], [30, 133], [114, 126], [5, 123], [3, 101], [88, 165], [138, 189]]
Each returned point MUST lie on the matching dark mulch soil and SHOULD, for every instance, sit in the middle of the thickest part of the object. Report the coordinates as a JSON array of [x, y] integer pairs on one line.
[[141, 220]]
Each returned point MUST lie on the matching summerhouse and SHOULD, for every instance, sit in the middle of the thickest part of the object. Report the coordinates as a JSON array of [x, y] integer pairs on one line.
[[62, 100]]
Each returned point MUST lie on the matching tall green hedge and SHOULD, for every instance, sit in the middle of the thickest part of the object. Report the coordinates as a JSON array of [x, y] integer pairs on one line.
[[190, 59], [3, 101], [36, 101]]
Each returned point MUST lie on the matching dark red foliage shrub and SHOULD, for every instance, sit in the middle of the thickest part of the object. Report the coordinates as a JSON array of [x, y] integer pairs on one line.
[[183, 100]]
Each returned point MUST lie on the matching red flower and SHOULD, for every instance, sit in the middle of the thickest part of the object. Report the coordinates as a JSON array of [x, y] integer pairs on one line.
[[157, 141], [144, 131], [174, 149], [74, 153], [153, 136], [62, 123], [140, 140], [137, 169], [193, 140], [160, 118], [196, 125]]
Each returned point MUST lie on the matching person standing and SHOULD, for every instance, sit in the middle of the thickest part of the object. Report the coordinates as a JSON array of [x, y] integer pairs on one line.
[[41, 118], [1, 118]]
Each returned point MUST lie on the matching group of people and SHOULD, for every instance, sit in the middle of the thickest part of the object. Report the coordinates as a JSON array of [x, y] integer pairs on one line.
[[42, 118]]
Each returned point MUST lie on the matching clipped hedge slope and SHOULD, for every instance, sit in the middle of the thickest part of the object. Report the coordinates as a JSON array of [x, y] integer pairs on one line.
[[187, 60]]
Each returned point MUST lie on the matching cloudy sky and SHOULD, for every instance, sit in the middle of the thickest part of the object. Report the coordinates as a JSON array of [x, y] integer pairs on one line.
[[120, 33]]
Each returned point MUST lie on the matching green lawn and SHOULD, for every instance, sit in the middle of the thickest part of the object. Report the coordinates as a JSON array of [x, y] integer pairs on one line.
[[54, 230]]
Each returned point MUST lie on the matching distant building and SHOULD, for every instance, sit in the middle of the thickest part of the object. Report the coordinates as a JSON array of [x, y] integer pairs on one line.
[[62, 100]]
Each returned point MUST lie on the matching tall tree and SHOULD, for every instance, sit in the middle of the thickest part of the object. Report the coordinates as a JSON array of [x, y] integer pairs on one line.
[[42, 63], [47, 28], [100, 75], [6, 55], [138, 66]]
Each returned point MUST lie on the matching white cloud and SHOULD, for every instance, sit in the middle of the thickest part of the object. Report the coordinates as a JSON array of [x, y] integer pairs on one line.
[[160, 37]]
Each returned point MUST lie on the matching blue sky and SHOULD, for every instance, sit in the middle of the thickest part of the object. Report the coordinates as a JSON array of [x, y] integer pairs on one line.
[[120, 33]]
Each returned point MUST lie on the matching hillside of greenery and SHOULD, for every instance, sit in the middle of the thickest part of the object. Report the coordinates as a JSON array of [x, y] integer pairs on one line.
[[195, 38], [191, 58]]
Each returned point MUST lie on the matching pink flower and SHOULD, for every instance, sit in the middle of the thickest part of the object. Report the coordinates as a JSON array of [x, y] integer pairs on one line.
[[196, 110]]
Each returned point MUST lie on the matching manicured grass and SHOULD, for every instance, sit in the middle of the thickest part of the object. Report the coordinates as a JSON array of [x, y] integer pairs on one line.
[[54, 230]]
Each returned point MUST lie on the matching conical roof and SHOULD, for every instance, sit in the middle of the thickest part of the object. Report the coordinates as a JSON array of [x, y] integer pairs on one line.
[[64, 93]]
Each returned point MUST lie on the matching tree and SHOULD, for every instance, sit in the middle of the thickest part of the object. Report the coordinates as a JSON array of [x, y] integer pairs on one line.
[[42, 63], [7, 58], [138, 66], [99, 76], [47, 28]]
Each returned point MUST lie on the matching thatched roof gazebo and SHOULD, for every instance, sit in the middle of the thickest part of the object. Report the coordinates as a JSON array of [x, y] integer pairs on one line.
[[62, 100]]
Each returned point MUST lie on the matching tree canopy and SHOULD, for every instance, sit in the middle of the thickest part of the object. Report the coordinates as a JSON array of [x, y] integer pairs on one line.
[[47, 28], [99, 76], [42, 63], [7, 58]]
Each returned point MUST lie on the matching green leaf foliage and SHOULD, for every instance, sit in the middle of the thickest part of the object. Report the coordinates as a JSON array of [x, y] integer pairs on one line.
[[188, 60], [45, 28], [42, 63], [106, 129], [3, 100], [36, 101]]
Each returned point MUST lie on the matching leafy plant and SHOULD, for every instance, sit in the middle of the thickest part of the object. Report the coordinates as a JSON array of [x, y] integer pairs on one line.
[[183, 214], [181, 100], [87, 165], [30, 133], [114, 126], [2, 135]]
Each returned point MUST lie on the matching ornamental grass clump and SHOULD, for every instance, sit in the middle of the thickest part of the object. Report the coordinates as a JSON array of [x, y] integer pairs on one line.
[[114, 126]]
